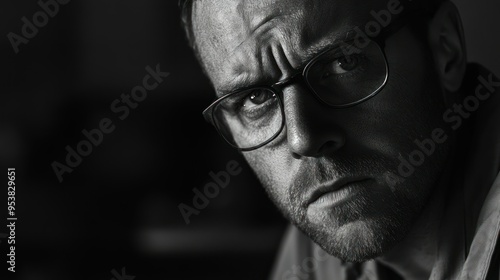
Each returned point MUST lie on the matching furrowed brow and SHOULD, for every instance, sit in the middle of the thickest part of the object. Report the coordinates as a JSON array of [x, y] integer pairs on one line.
[[323, 45], [239, 82], [244, 80]]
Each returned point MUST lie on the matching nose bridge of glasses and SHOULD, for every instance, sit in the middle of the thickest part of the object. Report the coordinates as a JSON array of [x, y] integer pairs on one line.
[[297, 77]]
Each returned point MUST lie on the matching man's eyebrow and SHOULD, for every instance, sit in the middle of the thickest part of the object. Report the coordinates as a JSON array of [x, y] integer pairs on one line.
[[336, 40], [244, 81], [239, 82]]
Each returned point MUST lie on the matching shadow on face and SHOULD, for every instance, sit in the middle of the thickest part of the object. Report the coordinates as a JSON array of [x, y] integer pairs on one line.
[[331, 171]]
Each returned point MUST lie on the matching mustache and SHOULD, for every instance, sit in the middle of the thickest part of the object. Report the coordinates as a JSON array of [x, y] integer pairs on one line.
[[314, 172]]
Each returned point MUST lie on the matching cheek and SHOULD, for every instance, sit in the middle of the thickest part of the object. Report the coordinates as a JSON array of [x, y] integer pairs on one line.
[[409, 107], [273, 168]]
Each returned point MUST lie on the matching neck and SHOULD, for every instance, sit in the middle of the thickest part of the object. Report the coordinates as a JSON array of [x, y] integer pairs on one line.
[[415, 255]]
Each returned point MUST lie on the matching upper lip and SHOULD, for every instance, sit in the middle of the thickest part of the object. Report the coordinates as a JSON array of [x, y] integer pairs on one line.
[[331, 186]]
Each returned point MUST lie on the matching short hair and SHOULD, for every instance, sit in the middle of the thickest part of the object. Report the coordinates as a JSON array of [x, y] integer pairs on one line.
[[429, 7], [186, 7]]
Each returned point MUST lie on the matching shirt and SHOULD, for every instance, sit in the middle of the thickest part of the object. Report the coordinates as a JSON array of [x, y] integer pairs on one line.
[[468, 237]]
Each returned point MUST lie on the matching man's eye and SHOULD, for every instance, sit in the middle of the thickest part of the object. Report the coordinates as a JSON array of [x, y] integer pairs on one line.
[[342, 65], [257, 97]]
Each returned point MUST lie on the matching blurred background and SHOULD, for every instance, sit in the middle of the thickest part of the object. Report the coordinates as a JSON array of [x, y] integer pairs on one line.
[[119, 208]]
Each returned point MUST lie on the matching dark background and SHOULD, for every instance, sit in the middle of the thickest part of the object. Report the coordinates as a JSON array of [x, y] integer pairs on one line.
[[119, 207]]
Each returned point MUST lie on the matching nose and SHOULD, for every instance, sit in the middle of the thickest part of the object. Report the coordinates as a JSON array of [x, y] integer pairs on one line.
[[311, 126]]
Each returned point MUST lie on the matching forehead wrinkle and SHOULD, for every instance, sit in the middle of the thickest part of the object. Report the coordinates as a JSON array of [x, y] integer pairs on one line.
[[277, 54], [257, 18], [242, 31], [297, 43], [256, 13], [251, 63], [261, 39]]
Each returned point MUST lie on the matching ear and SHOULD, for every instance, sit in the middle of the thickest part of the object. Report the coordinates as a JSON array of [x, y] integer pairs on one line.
[[446, 38]]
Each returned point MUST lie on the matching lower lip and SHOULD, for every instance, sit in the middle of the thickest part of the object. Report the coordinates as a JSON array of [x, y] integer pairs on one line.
[[334, 198]]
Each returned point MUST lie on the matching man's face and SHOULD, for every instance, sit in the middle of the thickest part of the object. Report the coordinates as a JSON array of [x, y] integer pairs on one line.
[[331, 171]]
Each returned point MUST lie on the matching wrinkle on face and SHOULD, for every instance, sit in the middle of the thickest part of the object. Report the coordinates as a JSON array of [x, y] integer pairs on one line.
[[247, 41], [262, 62], [241, 40]]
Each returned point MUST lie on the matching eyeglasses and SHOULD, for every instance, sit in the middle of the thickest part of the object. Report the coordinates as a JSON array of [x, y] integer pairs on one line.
[[342, 76]]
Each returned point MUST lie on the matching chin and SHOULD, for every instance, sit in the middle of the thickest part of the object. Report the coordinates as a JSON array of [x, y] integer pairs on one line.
[[361, 234], [358, 241]]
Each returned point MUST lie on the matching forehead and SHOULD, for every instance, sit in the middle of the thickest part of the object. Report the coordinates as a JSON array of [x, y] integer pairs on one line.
[[240, 41]]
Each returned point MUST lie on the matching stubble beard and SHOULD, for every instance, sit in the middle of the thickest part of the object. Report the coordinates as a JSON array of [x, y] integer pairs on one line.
[[363, 228]]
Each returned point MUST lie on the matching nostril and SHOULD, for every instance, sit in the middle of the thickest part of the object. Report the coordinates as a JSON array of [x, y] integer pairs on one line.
[[296, 155], [315, 147], [331, 146], [327, 148]]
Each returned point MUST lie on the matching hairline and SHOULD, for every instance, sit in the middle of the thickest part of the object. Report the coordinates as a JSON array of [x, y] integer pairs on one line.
[[186, 7]]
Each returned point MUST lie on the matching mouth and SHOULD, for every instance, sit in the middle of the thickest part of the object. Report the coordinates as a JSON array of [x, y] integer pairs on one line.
[[335, 191]]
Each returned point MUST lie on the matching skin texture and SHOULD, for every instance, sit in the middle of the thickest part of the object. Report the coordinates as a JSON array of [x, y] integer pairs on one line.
[[254, 42]]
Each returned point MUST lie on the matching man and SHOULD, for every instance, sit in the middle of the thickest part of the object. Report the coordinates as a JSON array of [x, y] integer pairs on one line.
[[366, 127]]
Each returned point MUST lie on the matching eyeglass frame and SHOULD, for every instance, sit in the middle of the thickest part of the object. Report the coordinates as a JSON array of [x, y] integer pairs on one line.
[[300, 76]]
